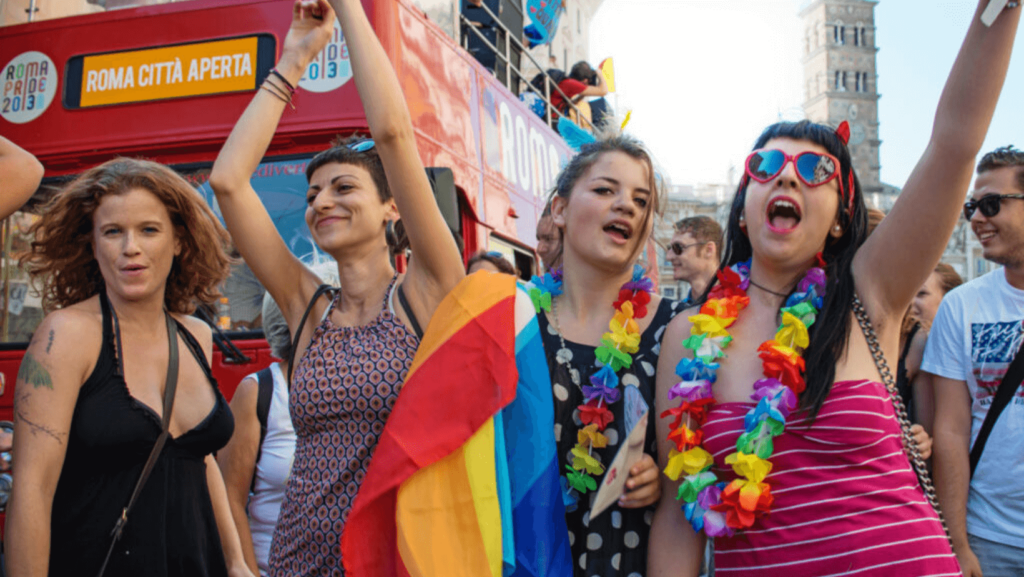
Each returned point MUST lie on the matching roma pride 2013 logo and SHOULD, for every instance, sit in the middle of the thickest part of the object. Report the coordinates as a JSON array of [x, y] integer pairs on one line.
[[29, 84], [331, 68]]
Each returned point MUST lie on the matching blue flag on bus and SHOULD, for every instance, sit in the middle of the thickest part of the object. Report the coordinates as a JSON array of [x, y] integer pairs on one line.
[[544, 15]]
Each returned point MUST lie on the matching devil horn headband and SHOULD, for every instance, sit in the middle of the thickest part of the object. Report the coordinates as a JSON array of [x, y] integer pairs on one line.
[[843, 132]]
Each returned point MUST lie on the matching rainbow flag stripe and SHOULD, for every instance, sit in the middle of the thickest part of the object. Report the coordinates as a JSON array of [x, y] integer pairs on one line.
[[464, 480]]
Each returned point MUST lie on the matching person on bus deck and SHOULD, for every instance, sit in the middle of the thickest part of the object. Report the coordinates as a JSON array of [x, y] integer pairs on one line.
[[257, 460], [357, 189], [123, 253], [583, 81], [21, 173], [492, 261], [603, 209], [812, 478]]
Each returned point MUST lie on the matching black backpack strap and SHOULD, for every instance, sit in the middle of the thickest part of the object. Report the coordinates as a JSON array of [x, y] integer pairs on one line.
[[1004, 394], [321, 290], [408, 312], [265, 392]]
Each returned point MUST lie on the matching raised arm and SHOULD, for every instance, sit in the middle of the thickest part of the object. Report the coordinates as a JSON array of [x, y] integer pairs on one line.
[[20, 173], [923, 218], [437, 266], [51, 374], [675, 550], [248, 221]]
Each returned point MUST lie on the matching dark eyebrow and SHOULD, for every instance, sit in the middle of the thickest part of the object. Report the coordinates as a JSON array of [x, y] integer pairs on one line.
[[333, 181], [616, 183]]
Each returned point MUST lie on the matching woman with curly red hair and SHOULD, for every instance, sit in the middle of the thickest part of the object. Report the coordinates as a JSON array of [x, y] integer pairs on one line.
[[124, 253]]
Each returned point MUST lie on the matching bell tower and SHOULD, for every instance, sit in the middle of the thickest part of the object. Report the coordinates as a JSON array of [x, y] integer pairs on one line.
[[840, 79]]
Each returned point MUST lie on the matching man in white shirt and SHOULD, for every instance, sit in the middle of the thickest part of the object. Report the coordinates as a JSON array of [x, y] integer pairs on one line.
[[974, 338]]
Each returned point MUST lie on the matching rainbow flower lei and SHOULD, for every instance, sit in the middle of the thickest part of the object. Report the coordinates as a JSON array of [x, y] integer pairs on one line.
[[615, 353], [715, 507]]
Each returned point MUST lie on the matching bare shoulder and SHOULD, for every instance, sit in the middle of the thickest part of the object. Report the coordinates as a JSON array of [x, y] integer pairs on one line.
[[64, 331], [679, 327], [198, 327], [245, 398], [65, 345]]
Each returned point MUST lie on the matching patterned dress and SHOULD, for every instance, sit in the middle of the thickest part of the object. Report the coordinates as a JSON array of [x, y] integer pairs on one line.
[[343, 390], [615, 543]]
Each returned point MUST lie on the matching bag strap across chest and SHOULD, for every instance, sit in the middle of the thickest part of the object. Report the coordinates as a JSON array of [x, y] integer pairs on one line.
[[1004, 394], [170, 386]]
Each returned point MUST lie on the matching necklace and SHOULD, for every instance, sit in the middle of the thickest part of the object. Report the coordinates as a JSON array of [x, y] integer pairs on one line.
[[618, 344], [715, 507], [767, 290]]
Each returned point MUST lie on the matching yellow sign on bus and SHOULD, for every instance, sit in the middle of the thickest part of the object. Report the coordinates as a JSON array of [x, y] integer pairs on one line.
[[169, 72]]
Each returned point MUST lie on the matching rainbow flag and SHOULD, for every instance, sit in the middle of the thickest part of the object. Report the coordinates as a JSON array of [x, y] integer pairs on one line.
[[464, 481]]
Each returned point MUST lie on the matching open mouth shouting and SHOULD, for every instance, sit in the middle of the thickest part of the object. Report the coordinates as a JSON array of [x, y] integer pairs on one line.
[[783, 214], [619, 230]]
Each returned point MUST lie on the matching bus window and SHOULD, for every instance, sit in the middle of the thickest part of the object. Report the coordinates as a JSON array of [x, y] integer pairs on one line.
[[521, 257]]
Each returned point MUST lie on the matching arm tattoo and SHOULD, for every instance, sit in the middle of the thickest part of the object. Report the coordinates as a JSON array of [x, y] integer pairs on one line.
[[35, 428], [50, 342], [34, 373]]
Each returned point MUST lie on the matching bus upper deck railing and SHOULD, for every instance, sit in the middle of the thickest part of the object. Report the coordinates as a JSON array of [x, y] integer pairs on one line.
[[510, 68]]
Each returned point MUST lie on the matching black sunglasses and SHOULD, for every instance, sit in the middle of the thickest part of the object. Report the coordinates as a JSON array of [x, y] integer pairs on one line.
[[679, 248], [989, 204]]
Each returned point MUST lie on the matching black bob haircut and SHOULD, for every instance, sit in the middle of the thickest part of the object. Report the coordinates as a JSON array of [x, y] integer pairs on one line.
[[829, 335]]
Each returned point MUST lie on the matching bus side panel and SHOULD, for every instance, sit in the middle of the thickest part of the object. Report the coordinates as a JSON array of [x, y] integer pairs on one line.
[[228, 375], [10, 361]]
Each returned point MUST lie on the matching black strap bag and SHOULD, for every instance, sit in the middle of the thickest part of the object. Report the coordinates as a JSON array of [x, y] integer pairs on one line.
[[1004, 394], [170, 386]]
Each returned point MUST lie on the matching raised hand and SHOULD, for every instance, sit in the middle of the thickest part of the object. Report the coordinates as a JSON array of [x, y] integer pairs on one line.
[[311, 30]]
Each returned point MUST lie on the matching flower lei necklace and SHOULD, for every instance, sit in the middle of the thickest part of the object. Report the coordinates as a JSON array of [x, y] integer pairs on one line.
[[615, 353], [717, 508]]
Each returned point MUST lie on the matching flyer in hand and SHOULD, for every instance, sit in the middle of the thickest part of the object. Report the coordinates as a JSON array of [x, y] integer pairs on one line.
[[631, 450]]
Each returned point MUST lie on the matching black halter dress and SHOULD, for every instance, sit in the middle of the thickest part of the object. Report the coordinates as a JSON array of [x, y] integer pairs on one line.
[[171, 531]]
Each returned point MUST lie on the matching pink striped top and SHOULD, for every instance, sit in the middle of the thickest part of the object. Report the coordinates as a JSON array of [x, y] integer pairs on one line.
[[847, 501]]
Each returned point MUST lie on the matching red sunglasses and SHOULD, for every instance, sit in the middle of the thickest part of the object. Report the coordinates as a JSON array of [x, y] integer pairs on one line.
[[812, 168]]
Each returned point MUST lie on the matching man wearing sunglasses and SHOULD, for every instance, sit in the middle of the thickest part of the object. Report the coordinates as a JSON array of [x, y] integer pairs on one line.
[[695, 252], [975, 337]]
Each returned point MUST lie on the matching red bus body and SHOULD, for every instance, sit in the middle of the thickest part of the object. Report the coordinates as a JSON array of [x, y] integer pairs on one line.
[[503, 157]]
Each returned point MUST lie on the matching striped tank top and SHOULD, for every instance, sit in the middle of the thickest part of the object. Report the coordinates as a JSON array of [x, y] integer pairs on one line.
[[847, 501]]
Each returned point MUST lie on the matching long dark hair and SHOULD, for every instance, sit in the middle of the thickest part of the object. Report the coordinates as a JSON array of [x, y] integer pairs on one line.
[[829, 334]]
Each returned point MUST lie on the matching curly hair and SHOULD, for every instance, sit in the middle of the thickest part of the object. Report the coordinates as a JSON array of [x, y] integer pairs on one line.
[[61, 255], [1004, 157]]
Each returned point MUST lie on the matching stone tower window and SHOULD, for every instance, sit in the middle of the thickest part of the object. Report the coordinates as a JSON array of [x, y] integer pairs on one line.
[[841, 81], [839, 34]]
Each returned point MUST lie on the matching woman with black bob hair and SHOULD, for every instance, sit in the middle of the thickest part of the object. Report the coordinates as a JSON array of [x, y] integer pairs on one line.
[[353, 346], [781, 433]]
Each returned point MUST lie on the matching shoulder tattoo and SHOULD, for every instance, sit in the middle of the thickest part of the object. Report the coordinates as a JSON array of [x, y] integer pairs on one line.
[[34, 373]]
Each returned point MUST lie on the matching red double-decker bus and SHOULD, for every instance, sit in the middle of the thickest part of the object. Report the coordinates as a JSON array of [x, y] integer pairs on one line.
[[168, 82]]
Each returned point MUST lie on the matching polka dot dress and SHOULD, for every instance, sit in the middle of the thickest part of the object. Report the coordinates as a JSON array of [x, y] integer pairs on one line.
[[615, 543], [343, 390]]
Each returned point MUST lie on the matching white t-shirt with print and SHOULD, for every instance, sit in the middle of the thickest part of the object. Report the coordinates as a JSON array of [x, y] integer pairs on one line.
[[974, 338]]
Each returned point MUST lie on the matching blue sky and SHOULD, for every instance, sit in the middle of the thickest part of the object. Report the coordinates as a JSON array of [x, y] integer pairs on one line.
[[704, 77]]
